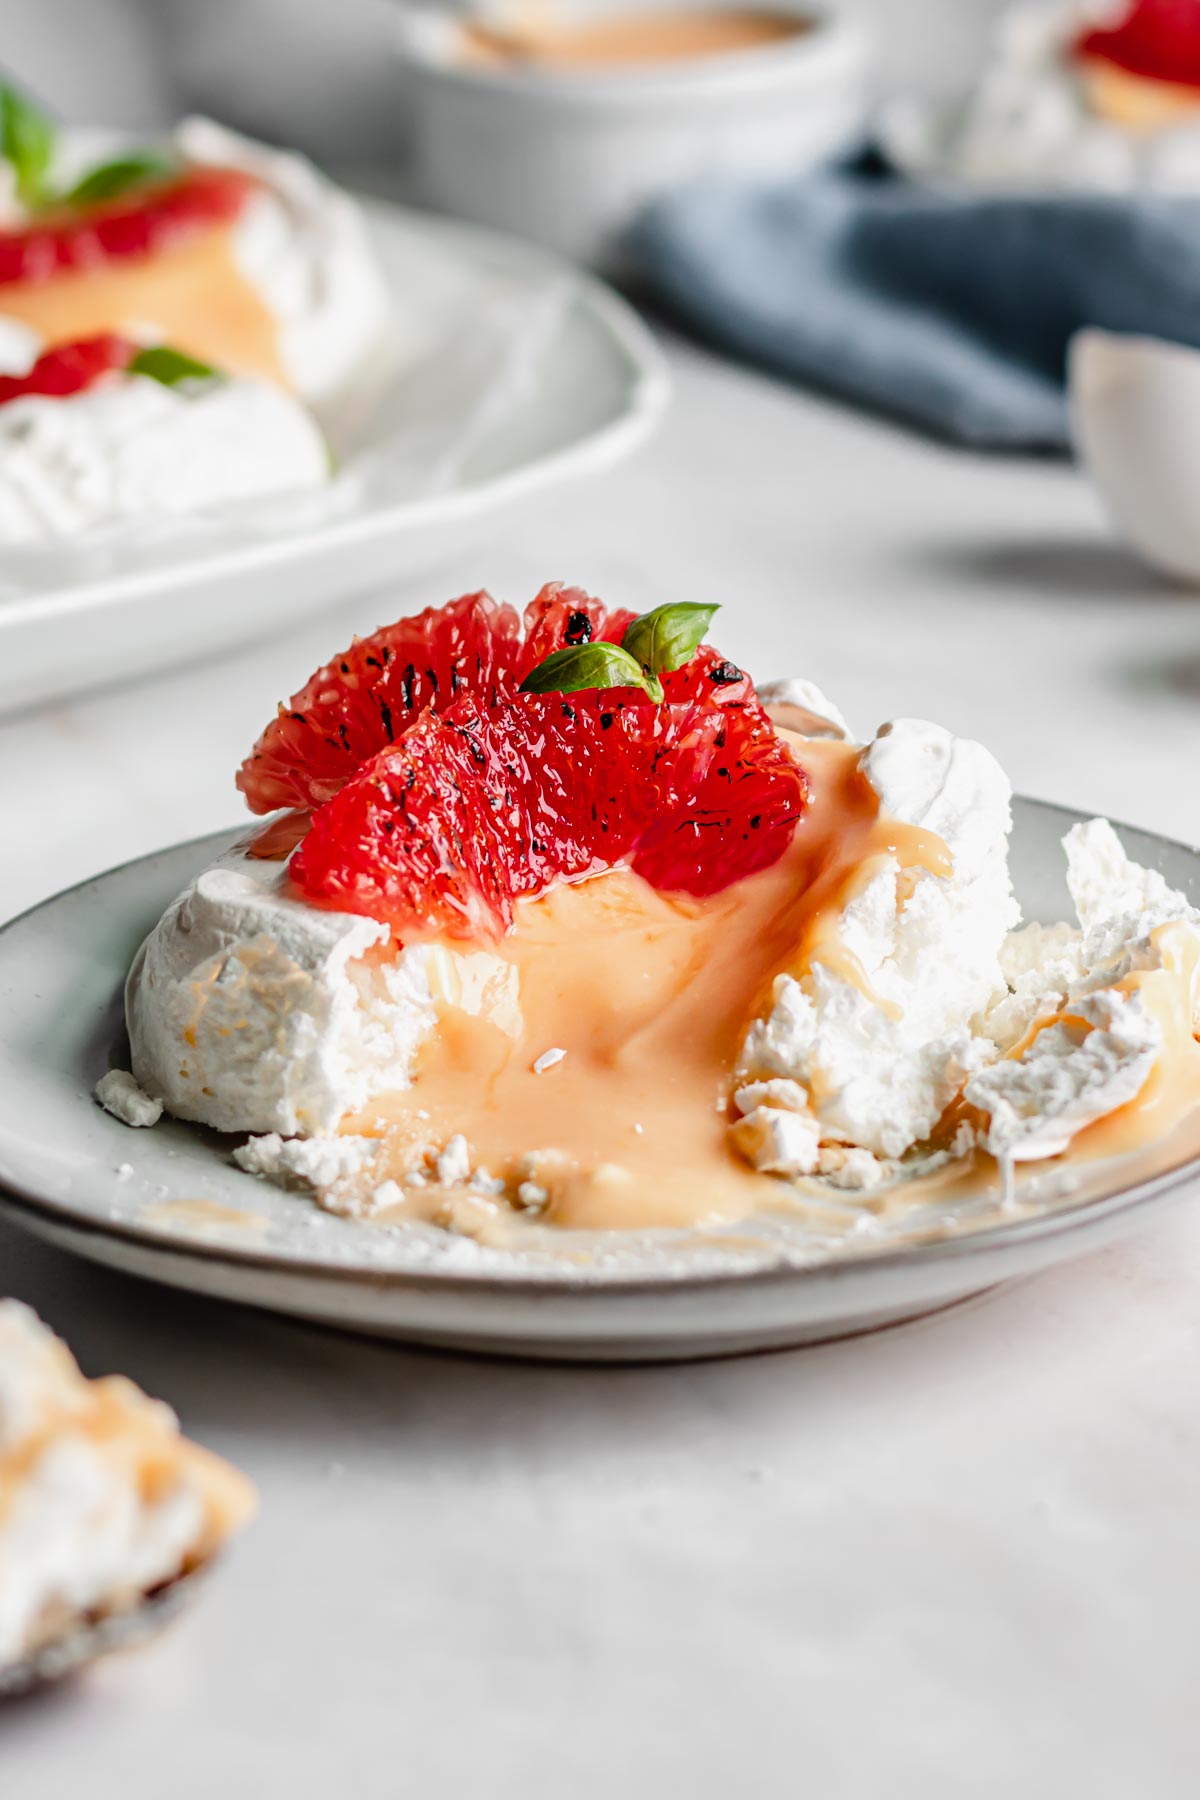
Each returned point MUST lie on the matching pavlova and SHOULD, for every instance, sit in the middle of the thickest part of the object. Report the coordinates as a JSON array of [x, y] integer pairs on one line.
[[168, 312], [103, 1503], [564, 917]]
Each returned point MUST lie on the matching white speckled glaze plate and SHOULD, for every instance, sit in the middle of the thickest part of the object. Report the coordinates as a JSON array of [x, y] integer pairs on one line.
[[504, 371], [170, 1205]]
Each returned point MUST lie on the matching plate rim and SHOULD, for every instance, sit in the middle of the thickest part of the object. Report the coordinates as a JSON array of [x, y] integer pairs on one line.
[[19, 1199], [650, 389]]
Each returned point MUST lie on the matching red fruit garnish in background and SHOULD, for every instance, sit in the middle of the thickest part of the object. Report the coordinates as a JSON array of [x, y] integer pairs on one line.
[[1158, 39], [475, 808], [69, 368], [367, 697], [134, 224]]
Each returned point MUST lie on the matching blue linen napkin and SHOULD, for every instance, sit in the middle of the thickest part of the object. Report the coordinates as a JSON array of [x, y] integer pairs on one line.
[[951, 311]]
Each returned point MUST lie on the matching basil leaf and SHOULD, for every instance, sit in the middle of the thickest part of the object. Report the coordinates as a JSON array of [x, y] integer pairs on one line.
[[669, 636], [117, 177], [161, 363], [27, 138], [579, 666]]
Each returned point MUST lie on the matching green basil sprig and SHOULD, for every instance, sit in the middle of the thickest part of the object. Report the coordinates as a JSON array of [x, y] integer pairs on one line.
[[653, 645], [27, 139], [669, 636], [161, 363], [578, 666], [111, 179]]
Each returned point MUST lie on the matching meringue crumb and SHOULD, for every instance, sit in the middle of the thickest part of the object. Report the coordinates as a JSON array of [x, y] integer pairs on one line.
[[313, 1163], [454, 1162], [388, 1193], [120, 1095], [531, 1194], [849, 1166], [778, 1142], [547, 1060], [484, 1182]]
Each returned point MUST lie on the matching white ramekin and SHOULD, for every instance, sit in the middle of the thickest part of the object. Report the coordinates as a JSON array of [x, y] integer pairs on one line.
[[570, 159], [1135, 414]]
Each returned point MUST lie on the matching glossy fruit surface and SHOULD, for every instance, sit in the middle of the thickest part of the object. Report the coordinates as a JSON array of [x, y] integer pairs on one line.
[[476, 807], [368, 696]]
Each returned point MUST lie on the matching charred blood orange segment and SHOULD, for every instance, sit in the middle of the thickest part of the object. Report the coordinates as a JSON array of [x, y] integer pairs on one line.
[[70, 368], [477, 807], [737, 796], [565, 616], [713, 680], [64, 238], [562, 616], [368, 697], [443, 795]]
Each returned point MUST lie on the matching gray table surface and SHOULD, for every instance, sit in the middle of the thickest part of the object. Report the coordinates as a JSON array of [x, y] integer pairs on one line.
[[953, 1558]]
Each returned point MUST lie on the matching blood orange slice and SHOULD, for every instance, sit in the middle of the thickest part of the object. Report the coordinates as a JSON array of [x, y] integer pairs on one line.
[[367, 697], [69, 368], [566, 615], [476, 807], [135, 224], [1156, 39], [560, 615], [713, 680]]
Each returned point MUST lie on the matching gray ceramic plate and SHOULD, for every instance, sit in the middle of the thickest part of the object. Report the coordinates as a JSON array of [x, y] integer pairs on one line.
[[170, 1205]]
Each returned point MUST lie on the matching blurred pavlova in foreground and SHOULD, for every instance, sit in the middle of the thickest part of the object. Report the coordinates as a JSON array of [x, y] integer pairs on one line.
[[1076, 94], [571, 921], [101, 1501]]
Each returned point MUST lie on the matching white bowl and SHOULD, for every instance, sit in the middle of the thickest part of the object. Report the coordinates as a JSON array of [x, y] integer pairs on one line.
[[570, 159], [1135, 406]]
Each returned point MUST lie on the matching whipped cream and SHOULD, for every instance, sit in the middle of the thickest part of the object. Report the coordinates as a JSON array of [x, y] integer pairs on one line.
[[131, 447], [81, 1529], [800, 705], [20, 346], [1030, 122], [303, 245]]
